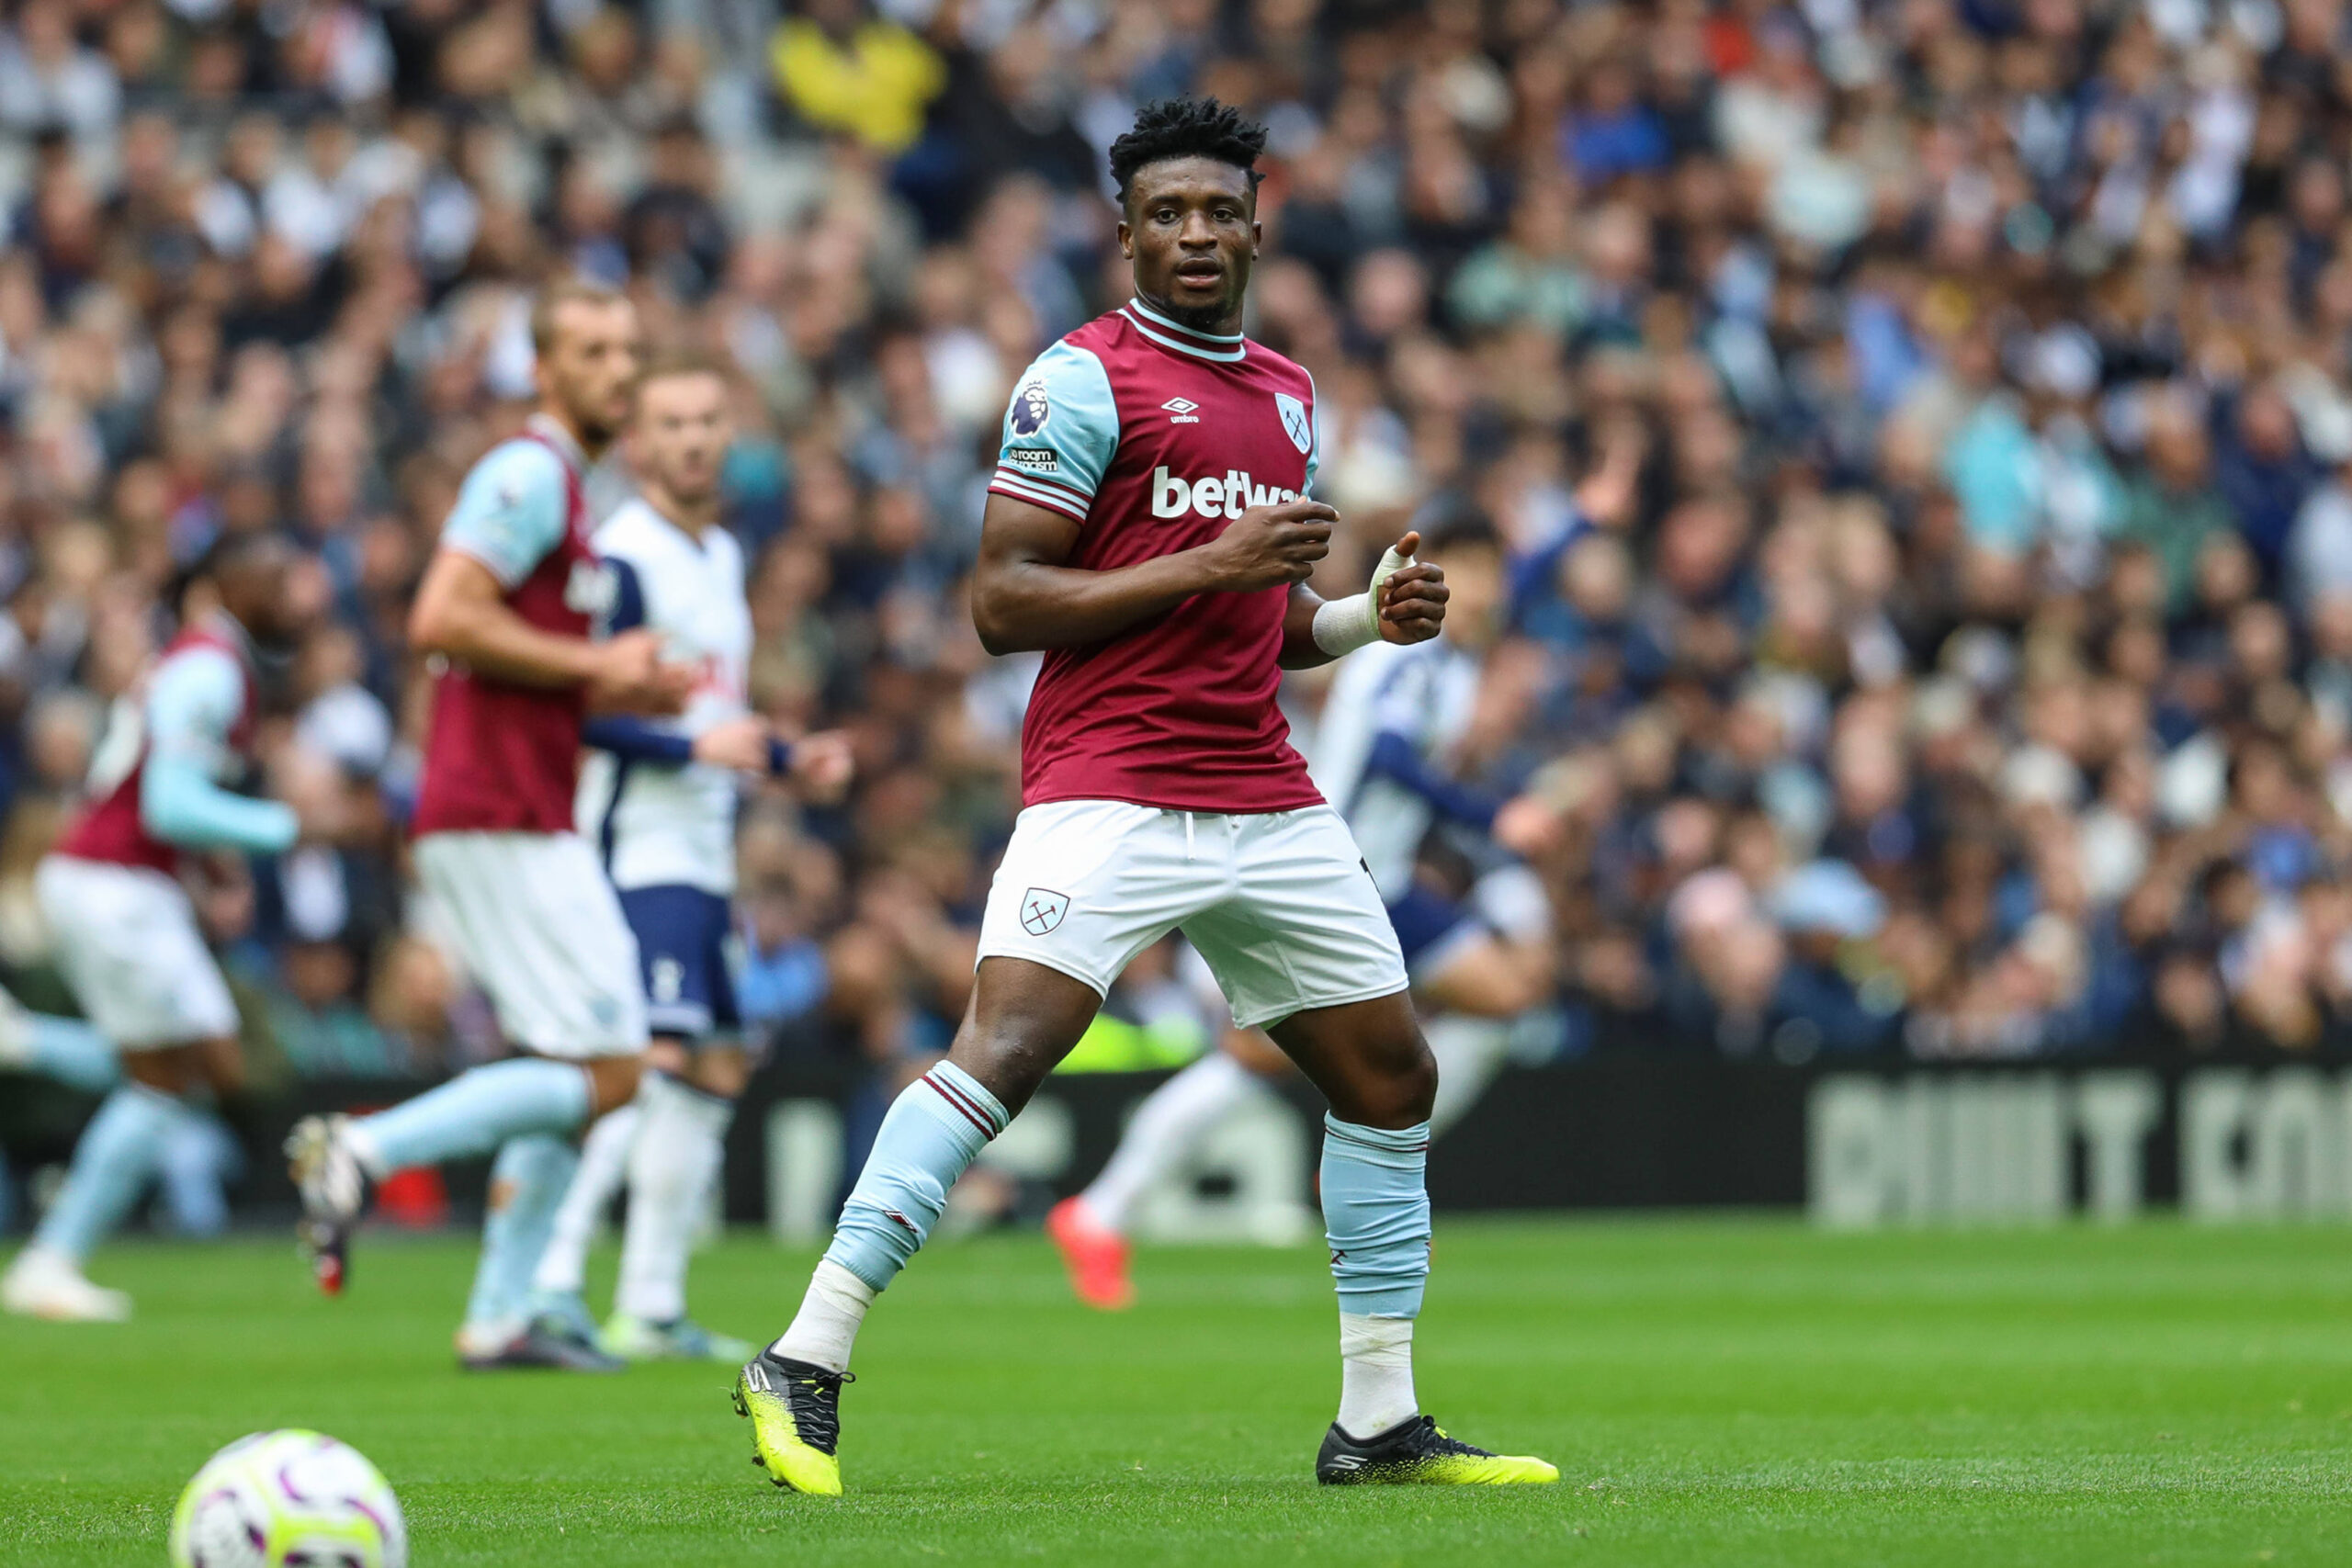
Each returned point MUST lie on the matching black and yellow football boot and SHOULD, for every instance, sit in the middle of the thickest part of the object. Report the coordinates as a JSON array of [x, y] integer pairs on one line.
[[1416, 1452], [796, 1414]]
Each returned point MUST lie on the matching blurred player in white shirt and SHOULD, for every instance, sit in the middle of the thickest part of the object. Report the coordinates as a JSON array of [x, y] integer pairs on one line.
[[1394, 721], [658, 798]]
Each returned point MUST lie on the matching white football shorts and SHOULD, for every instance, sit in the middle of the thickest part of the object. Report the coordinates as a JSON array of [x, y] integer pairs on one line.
[[1278, 902], [534, 922], [129, 949]]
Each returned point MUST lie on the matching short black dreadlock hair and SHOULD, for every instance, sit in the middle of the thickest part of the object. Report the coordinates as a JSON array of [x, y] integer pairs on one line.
[[1187, 127], [1457, 525]]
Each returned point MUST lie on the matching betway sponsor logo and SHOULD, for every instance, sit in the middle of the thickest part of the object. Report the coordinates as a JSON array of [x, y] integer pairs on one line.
[[1230, 496]]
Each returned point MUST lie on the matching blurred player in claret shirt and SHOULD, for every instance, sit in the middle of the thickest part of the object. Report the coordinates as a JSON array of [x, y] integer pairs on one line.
[[506, 609], [128, 939], [1150, 527], [658, 800]]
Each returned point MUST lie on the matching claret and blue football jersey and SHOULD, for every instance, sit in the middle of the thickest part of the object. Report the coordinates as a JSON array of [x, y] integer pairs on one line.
[[1154, 437]]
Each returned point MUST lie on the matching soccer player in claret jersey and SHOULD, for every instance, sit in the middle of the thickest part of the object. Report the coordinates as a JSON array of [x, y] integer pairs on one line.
[[659, 799], [1149, 528], [506, 607], [126, 929]]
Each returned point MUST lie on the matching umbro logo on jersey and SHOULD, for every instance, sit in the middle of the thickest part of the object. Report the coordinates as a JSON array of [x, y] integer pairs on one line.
[[1228, 495], [1042, 909], [1181, 411]]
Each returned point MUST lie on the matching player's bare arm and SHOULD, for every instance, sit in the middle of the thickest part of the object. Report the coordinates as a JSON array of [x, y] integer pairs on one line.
[[1024, 597], [819, 765], [461, 614]]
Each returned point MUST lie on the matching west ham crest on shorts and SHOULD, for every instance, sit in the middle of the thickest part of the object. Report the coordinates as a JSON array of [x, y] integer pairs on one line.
[[1042, 909], [1296, 425]]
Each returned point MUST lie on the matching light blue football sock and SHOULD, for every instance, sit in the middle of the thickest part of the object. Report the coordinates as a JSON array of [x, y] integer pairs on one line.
[[70, 1052], [112, 1165], [195, 1161], [526, 1185], [474, 1113], [934, 1129], [1376, 1215]]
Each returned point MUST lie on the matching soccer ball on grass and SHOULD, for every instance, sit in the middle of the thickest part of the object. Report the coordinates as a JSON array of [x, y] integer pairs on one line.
[[288, 1499]]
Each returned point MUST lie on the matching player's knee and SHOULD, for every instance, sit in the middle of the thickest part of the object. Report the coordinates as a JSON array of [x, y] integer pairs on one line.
[[720, 1071], [224, 1068], [164, 1071], [1417, 1085], [612, 1083], [1023, 1019], [1009, 1062], [1395, 1089]]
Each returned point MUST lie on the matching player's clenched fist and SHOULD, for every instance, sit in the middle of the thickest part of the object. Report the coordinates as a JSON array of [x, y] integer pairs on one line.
[[1412, 602], [821, 765], [1267, 546], [632, 676]]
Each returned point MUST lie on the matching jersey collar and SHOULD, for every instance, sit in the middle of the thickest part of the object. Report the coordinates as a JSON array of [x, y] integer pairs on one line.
[[1225, 348], [550, 429], [698, 537], [227, 629]]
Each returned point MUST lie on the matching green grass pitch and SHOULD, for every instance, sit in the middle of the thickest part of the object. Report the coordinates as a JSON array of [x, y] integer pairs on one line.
[[1716, 1391]]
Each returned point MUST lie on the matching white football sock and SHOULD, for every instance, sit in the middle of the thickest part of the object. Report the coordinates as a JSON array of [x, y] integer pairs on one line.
[[676, 1157], [1469, 1051], [1375, 1373], [1165, 1128], [827, 1324], [603, 1162]]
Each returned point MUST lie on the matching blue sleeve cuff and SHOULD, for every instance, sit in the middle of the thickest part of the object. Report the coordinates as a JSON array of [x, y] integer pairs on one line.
[[626, 612], [1529, 577], [180, 806], [1395, 758], [637, 741]]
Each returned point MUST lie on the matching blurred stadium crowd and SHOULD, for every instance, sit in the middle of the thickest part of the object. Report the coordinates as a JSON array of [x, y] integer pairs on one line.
[[1919, 428]]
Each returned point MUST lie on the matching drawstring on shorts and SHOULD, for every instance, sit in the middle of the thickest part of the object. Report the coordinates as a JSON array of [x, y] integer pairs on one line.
[[1188, 836]]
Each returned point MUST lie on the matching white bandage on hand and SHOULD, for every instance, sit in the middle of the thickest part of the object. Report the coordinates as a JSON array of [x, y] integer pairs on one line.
[[1343, 625]]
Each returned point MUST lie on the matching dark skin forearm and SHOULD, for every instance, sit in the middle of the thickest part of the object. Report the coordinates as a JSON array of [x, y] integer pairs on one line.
[[1024, 597], [1021, 602], [1299, 650]]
